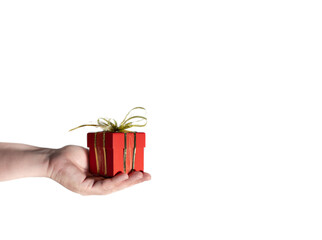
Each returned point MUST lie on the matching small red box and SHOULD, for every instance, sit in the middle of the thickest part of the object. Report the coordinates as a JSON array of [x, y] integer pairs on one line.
[[111, 153]]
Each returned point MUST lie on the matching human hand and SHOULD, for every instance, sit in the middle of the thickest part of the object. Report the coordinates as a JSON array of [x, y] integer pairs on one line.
[[69, 167]]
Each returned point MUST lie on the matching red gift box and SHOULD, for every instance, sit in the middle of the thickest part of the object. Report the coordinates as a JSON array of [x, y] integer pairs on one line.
[[114, 152]]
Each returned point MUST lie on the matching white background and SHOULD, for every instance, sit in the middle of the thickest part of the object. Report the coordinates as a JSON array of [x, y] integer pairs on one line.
[[233, 94]]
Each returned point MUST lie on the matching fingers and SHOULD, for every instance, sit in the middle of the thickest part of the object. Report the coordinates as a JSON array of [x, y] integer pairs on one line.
[[120, 181], [134, 178], [119, 178], [146, 176]]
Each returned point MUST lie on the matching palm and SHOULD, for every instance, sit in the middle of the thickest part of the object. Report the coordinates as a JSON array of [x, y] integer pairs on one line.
[[69, 167]]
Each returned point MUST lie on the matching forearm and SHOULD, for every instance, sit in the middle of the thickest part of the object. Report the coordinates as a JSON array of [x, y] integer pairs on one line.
[[21, 160]]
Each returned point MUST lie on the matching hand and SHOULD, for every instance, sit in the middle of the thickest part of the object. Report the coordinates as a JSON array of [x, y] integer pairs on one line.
[[69, 167]]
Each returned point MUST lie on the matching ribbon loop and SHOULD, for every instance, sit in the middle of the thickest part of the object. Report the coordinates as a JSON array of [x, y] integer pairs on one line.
[[110, 125]]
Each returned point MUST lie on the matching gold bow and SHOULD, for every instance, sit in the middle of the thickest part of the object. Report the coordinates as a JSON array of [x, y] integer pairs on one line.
[[110, 125]]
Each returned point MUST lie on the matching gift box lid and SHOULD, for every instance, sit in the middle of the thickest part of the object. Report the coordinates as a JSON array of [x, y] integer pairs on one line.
[[113, 140]]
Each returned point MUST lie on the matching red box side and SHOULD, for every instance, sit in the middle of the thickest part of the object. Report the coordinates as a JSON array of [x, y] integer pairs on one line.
[[114, 149], [139, 159], [140, 139]]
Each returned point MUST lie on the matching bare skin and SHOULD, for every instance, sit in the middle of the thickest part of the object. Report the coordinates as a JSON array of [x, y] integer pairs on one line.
[[67, 165]]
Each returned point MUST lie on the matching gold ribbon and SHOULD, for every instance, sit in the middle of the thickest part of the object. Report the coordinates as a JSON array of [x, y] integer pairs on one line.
[[104, 153], [125, 152], [95, 149], [134, 151], [110, 125]]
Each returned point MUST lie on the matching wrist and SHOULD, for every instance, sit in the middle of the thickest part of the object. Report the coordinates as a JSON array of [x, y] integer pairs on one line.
[[42, 162]]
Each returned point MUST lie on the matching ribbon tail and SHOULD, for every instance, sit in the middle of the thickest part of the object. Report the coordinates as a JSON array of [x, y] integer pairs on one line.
[[85, 125]]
